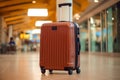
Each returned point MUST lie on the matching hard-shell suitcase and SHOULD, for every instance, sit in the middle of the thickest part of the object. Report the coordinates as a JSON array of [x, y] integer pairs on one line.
[[60, 47]]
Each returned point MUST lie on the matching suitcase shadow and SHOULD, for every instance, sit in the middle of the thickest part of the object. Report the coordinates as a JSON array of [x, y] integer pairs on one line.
[[57, 73]]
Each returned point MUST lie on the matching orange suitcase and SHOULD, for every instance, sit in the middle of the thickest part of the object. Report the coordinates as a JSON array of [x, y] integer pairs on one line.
[[59, 47]]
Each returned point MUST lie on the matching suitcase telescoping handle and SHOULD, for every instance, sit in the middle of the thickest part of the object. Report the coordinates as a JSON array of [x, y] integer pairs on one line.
[[64, 5]]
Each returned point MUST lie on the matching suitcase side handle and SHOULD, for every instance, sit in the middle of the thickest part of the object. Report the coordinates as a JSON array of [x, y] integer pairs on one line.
[[78, 41], [79, 46]]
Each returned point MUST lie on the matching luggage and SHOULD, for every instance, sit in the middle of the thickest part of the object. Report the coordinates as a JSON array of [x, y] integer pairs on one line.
[[60, 47]]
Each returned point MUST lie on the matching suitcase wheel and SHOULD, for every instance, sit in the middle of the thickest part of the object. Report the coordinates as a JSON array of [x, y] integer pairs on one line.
[[70, 71], [50, 71], [78, 70], [43, 71]]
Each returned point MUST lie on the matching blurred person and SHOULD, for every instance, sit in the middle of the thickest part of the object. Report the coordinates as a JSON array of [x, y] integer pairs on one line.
[[12, 42]]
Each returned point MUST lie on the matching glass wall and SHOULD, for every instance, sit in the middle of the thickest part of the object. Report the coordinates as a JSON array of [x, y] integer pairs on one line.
[[95, 33], [110, 28], [84, 36], [104, 31]]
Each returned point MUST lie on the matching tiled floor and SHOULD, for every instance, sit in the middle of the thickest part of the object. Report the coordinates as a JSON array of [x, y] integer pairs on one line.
[[25, 66]]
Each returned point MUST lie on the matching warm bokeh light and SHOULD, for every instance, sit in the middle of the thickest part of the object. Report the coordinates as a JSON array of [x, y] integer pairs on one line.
[[77, 16], [33, 1], [24, 36], [96, 1]]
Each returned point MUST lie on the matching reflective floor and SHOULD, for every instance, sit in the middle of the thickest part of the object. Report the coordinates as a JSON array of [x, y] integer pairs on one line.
[[25, 66]]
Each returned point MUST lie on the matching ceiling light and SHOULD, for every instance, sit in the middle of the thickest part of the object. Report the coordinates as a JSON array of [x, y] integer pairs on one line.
[[112, 18], [33, 1], [77, 16], [107, 11], [96, 1], [37, 12], [91, 20], [39, 23]]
